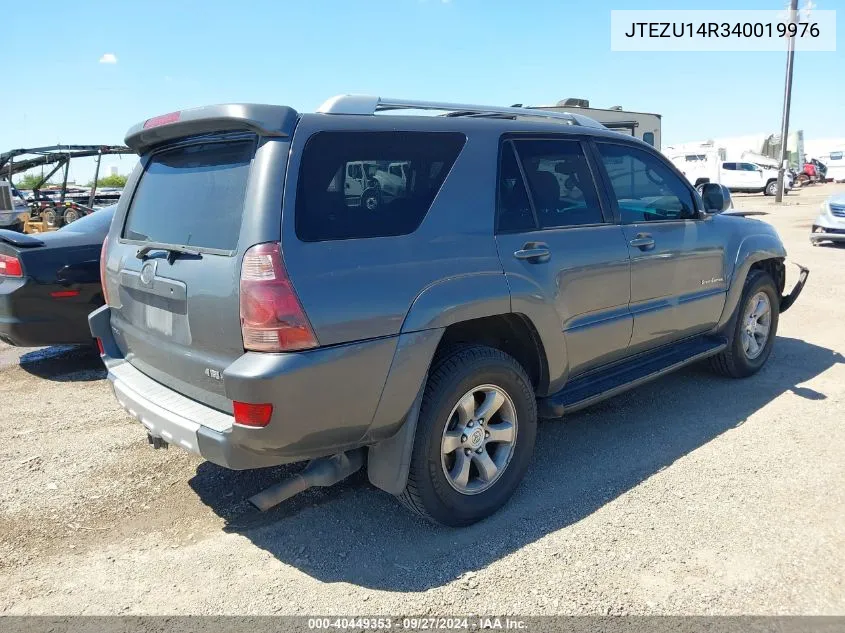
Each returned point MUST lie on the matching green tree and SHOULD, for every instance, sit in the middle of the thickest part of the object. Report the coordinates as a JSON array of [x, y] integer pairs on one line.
[[28, 182], [117, 180]]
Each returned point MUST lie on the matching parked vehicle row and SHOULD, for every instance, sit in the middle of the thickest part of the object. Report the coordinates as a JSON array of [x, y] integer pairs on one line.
[[525, 264]]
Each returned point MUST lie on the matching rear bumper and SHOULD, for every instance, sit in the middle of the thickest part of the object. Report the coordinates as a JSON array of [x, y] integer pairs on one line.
[[176, 419], [324, 401], [29, 317]]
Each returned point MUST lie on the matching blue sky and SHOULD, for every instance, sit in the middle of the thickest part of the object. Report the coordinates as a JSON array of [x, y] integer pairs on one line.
[[184, 53]]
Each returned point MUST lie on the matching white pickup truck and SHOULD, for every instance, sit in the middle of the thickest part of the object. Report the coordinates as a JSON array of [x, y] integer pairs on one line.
[[739, 177]]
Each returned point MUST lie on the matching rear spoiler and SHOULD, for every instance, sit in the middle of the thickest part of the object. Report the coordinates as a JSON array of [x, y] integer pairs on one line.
[[21, 240], [264, 120]]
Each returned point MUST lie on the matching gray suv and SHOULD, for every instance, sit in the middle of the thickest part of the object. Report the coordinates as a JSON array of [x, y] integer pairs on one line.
[[261, 309]]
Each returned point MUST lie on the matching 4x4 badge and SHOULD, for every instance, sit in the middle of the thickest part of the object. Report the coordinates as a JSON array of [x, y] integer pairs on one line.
[[148, 273]]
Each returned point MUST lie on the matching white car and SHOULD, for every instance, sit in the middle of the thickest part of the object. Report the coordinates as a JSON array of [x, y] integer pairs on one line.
[[830, 225]]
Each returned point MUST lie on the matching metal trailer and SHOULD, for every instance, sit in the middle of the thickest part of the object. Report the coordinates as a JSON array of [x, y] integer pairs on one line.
[[51, 214]]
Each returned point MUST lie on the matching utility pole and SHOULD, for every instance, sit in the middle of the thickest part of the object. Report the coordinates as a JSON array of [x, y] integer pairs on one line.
[[787, 100]]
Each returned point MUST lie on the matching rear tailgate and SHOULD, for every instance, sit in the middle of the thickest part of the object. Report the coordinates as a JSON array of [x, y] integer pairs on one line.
[[174, 252]]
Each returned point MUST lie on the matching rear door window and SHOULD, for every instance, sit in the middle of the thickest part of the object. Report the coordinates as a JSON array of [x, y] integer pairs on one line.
[[515, 212], [348, 190], [562, 188], [192, 195]]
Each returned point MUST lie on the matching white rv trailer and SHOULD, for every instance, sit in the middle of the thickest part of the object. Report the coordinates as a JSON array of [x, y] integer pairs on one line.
[[835, 161], [642, 125]]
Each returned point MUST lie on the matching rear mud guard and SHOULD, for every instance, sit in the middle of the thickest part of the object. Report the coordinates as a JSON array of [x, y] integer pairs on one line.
[[388, 461]]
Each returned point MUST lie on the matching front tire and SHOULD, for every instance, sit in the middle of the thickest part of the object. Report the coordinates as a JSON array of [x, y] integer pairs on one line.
[[772, 188], [754, 330], [475, 436]]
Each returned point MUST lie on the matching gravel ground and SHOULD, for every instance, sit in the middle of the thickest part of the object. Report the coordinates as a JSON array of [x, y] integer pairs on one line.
[[691, 495]]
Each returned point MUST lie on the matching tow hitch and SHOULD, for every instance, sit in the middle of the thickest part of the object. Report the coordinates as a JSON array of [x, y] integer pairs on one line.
[[157, 442], [787, 300], [325, 471]]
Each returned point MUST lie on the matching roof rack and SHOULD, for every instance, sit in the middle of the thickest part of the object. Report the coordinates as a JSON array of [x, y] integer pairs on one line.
[[366, 104]]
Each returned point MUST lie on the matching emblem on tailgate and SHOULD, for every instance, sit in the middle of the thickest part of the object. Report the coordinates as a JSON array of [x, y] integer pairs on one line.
[[148, 272], [213, 373]]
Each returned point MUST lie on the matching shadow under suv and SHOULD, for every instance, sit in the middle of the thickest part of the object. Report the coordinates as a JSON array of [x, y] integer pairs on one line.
[[268, 302]]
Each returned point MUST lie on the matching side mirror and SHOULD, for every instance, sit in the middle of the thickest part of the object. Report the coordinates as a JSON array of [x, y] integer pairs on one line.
[[716, 197]]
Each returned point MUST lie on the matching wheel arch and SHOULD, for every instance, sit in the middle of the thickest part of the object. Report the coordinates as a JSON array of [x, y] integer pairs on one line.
[[392, 433], [756, 252]]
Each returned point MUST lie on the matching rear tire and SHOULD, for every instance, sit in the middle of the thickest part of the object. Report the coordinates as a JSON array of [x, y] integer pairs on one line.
[[453, 435], [747, 351]]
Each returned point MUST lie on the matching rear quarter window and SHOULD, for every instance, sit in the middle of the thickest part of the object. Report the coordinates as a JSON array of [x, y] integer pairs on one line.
[[370, 184]]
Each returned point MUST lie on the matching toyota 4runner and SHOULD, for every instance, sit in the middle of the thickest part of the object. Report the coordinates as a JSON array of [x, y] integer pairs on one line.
[[525, 264]]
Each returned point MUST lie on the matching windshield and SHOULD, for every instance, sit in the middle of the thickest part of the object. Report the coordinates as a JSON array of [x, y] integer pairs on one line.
[[192, 195]]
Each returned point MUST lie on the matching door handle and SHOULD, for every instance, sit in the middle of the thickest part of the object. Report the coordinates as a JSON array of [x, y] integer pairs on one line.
[[534, 253], [643, 241]]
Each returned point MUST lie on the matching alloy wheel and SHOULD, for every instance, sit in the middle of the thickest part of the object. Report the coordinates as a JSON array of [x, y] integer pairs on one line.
[[479, 439]]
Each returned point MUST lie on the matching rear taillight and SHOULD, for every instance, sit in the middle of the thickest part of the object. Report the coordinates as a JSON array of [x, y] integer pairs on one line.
[[272, 319], [100, 347], [103, 253], [10, 266], [250, 414]]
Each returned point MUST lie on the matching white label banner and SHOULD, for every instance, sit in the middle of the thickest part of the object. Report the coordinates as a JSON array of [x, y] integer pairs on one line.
[[717, 30]]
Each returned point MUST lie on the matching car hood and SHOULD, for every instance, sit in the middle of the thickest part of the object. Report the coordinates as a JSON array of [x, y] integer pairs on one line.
[[837, 198]]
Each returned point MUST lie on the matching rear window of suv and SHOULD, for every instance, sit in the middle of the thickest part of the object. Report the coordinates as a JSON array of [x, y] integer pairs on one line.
[[370, 184], [192, 195]]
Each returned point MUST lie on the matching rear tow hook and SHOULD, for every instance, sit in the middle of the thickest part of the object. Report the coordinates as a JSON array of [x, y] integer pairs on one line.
[[325, 471], [157, 442]]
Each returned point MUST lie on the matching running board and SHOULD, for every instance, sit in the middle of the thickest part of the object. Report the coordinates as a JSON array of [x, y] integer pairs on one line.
[[606, 383]]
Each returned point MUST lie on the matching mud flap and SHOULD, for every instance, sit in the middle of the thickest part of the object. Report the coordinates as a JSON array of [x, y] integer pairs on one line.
[[388, 461], [786, 301]]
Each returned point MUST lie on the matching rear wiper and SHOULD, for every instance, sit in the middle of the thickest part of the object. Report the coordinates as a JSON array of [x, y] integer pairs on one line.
[[172, 251]]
